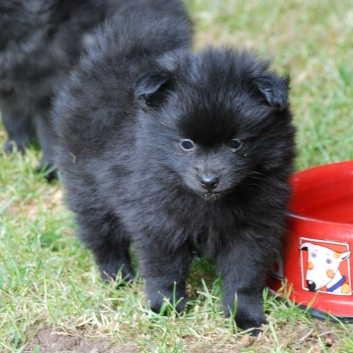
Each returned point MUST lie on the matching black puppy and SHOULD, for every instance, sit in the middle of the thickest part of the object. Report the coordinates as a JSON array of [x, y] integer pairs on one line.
[[40, 42], [179, 152]]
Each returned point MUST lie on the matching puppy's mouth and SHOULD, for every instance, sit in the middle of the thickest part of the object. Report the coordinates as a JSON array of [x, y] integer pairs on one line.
[[212, 196]]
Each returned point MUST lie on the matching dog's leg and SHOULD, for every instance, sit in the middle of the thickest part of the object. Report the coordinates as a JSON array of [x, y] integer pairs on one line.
[[243, 266], [20, 130], [165, 271], [47, 138], [109, 243]]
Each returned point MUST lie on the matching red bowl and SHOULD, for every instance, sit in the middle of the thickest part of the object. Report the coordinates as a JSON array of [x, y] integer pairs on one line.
[[316, 260]]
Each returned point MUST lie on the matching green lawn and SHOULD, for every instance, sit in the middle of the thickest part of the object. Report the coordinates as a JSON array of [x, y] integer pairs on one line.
[[49, 281]]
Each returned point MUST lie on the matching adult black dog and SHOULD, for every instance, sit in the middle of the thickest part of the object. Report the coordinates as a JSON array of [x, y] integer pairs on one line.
[[40, 42], [177, 152]]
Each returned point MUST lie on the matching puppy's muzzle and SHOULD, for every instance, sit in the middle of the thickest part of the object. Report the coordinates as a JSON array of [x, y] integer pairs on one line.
[[209, 182]]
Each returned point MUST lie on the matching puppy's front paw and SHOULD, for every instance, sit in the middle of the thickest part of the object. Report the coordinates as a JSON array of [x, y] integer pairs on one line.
[[157, 301], [248, 312], [250, 319], [124, 275]]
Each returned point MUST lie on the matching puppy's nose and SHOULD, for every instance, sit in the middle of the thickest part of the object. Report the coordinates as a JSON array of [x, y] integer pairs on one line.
[[209, 182]]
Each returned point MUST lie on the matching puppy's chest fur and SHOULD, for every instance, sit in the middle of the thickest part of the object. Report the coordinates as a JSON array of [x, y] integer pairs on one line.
[[170, 213]]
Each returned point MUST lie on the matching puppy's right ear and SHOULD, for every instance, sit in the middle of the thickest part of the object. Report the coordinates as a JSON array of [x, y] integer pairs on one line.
[[151, 89]]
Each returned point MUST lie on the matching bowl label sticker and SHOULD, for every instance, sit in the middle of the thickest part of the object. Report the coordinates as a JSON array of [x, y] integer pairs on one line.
[[325, 267]]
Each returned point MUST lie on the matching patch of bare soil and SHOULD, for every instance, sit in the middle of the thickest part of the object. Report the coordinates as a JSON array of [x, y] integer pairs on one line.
[[57, 341], [322, 337]]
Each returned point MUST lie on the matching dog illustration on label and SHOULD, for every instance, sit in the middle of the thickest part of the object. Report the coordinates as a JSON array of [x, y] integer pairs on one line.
[[325, 268]]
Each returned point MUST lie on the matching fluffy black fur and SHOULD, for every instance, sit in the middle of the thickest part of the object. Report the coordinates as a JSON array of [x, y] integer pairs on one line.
[[40, 42], [175, 153]]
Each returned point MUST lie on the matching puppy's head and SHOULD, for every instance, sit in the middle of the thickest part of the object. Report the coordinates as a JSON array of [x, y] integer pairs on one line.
[[218, 118]]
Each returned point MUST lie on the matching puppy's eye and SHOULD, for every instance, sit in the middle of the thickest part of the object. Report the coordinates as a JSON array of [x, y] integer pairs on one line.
[[234, 145], [187, 145]]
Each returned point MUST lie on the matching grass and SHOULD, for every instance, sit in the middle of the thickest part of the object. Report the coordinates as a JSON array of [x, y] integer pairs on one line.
[[48, 279]]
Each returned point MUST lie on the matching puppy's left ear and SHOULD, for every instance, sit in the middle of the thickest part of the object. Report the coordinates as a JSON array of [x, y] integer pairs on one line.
[[275, 89], [151, 89]]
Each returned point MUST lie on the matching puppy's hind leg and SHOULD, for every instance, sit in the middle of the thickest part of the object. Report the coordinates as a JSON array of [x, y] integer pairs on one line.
[[110, 244], [47, 138], [20, 130]]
